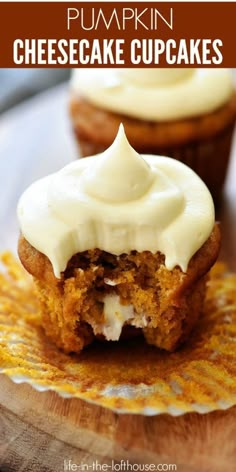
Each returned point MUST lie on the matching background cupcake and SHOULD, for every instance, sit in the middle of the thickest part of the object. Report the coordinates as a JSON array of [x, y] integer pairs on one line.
[[188, 114]]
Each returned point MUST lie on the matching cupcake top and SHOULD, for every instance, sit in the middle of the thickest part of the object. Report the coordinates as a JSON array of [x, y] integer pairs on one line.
[[155, 94], [118, 201]]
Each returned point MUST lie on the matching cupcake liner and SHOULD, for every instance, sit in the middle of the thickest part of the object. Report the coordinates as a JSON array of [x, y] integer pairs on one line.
[[129, 376]]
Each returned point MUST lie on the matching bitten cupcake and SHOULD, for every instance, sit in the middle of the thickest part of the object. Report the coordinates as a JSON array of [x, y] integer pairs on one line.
[[188, 114], [119, 243]]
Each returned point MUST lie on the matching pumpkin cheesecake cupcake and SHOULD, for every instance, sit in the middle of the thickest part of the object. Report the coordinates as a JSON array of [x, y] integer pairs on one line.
[[188, 114], [119, 243]]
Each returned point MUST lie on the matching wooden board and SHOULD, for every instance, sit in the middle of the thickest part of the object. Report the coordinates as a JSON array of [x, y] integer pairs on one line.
[[43, 432]]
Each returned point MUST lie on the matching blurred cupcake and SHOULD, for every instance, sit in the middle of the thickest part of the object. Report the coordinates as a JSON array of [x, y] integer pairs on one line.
[[188, 114]]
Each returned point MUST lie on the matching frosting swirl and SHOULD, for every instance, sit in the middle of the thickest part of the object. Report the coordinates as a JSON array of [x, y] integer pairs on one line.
[[156, 77], [155, 94], [118, 201]]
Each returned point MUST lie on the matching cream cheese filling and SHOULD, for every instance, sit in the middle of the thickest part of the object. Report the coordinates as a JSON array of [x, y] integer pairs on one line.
[[116, 315]]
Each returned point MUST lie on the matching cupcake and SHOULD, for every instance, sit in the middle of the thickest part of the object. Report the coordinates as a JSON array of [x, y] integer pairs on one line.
[[188, 114], [119, 244]]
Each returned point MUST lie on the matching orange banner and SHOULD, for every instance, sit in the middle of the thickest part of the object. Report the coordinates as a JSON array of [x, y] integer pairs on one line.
[[125, 34]]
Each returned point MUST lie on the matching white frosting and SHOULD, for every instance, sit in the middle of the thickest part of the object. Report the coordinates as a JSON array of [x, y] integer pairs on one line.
[[155, 94], [118, 201]]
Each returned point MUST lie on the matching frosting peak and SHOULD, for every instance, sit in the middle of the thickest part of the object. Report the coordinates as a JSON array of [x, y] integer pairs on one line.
[[120, 174], [118, 202]]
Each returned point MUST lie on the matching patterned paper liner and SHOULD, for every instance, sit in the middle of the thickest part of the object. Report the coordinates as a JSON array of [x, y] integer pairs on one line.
[[128, 377]]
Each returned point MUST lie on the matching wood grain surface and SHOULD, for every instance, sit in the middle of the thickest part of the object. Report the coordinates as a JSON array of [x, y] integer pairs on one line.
[[43, 432]]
